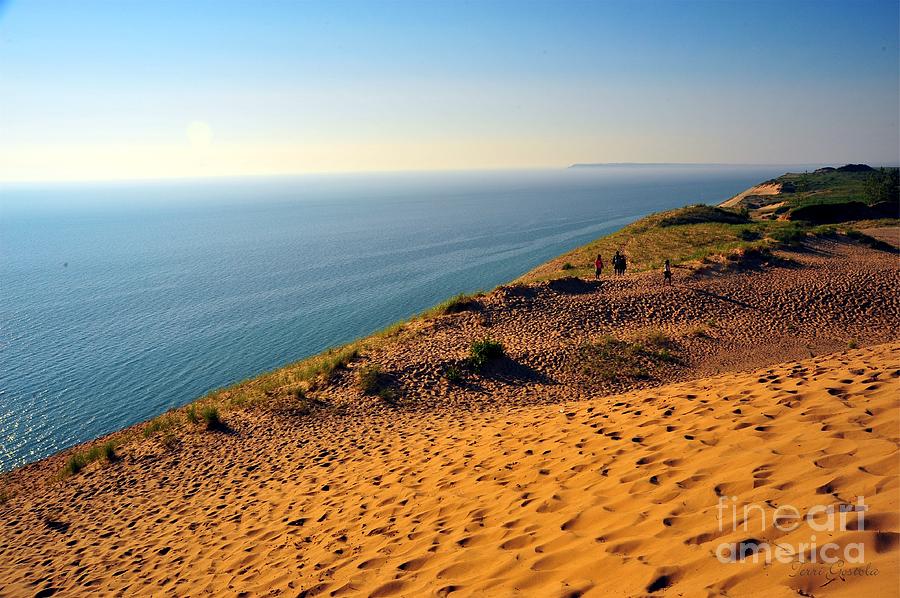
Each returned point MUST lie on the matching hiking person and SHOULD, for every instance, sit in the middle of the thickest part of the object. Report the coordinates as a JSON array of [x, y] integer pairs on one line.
[[617, 262], [667, 273], [598, 266], [623, 264]]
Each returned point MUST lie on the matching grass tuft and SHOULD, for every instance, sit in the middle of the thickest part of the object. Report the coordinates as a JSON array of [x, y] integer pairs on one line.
[[210, 415], [484, 351], [81, 459], [163, 423], [455, 305], [369, 379], [328, 363], [453, 374], [75, 464]]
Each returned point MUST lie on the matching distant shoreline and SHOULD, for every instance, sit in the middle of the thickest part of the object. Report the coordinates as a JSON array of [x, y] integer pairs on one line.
[[679, 164]]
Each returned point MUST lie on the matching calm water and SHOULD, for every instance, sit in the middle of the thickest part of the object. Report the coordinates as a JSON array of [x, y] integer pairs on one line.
[[119, 301]]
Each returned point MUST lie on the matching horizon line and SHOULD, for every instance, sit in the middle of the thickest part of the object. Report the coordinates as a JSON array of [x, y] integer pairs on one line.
[[576, 165]]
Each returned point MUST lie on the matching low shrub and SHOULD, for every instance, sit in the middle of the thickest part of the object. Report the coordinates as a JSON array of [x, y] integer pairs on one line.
[[387, 394], [699, 331], [484, 351], [453, 374], [75, 464], [210, 414], [368, 379], [747, 234]]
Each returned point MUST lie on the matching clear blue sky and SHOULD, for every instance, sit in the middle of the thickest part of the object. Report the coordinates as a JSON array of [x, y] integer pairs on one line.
[[120, 89]]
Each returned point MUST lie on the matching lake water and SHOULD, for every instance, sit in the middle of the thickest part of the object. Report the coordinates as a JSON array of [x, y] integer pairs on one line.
[[119, 301]]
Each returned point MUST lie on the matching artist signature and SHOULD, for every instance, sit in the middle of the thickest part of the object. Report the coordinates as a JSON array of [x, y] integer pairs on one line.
[[832, 572]]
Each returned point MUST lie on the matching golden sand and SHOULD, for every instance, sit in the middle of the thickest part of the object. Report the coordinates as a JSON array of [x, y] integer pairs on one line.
[[597, 498]]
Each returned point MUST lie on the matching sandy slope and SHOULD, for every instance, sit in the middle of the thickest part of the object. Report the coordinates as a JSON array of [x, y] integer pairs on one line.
[[530, 479], [761, 190], [603, 497]]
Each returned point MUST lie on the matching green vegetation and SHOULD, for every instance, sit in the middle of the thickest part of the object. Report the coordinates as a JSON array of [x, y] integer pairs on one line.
[[822, 187], [210, 414], [613, 360], [453, 374], [81, 459], [373, 382], [829, 195], [369, 379], [484, 351], [788, 234], [684, 238], [883, 186], [455, 305], [163, 423], [700, 331], [326, 364], [694, 234], [854, 189]]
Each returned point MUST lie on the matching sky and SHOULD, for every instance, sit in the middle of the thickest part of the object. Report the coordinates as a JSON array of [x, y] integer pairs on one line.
[[119, 89]]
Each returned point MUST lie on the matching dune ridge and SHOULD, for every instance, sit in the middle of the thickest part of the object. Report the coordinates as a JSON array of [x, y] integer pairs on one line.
[[763, 189]]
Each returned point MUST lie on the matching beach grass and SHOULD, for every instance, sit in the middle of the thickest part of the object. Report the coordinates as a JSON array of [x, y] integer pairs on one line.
[[456, 304], [369, 378], [483, 351], [105, 451], [685, 235]]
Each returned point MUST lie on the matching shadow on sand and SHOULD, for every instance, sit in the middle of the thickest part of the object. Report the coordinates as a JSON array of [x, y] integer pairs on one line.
[[509, 371], [574, 286]]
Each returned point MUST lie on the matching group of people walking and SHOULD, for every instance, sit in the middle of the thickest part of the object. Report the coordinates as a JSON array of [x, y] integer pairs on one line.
[[620, 264]]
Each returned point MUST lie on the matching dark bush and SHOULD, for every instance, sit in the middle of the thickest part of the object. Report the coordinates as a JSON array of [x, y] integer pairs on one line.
[[484, 351]]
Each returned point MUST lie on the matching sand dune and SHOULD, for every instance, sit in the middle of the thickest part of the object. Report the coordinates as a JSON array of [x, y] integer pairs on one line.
[[613, 496], [761, 190], [534, 477]]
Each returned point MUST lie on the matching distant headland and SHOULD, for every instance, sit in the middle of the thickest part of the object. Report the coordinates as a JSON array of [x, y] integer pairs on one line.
[[651, 164]]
